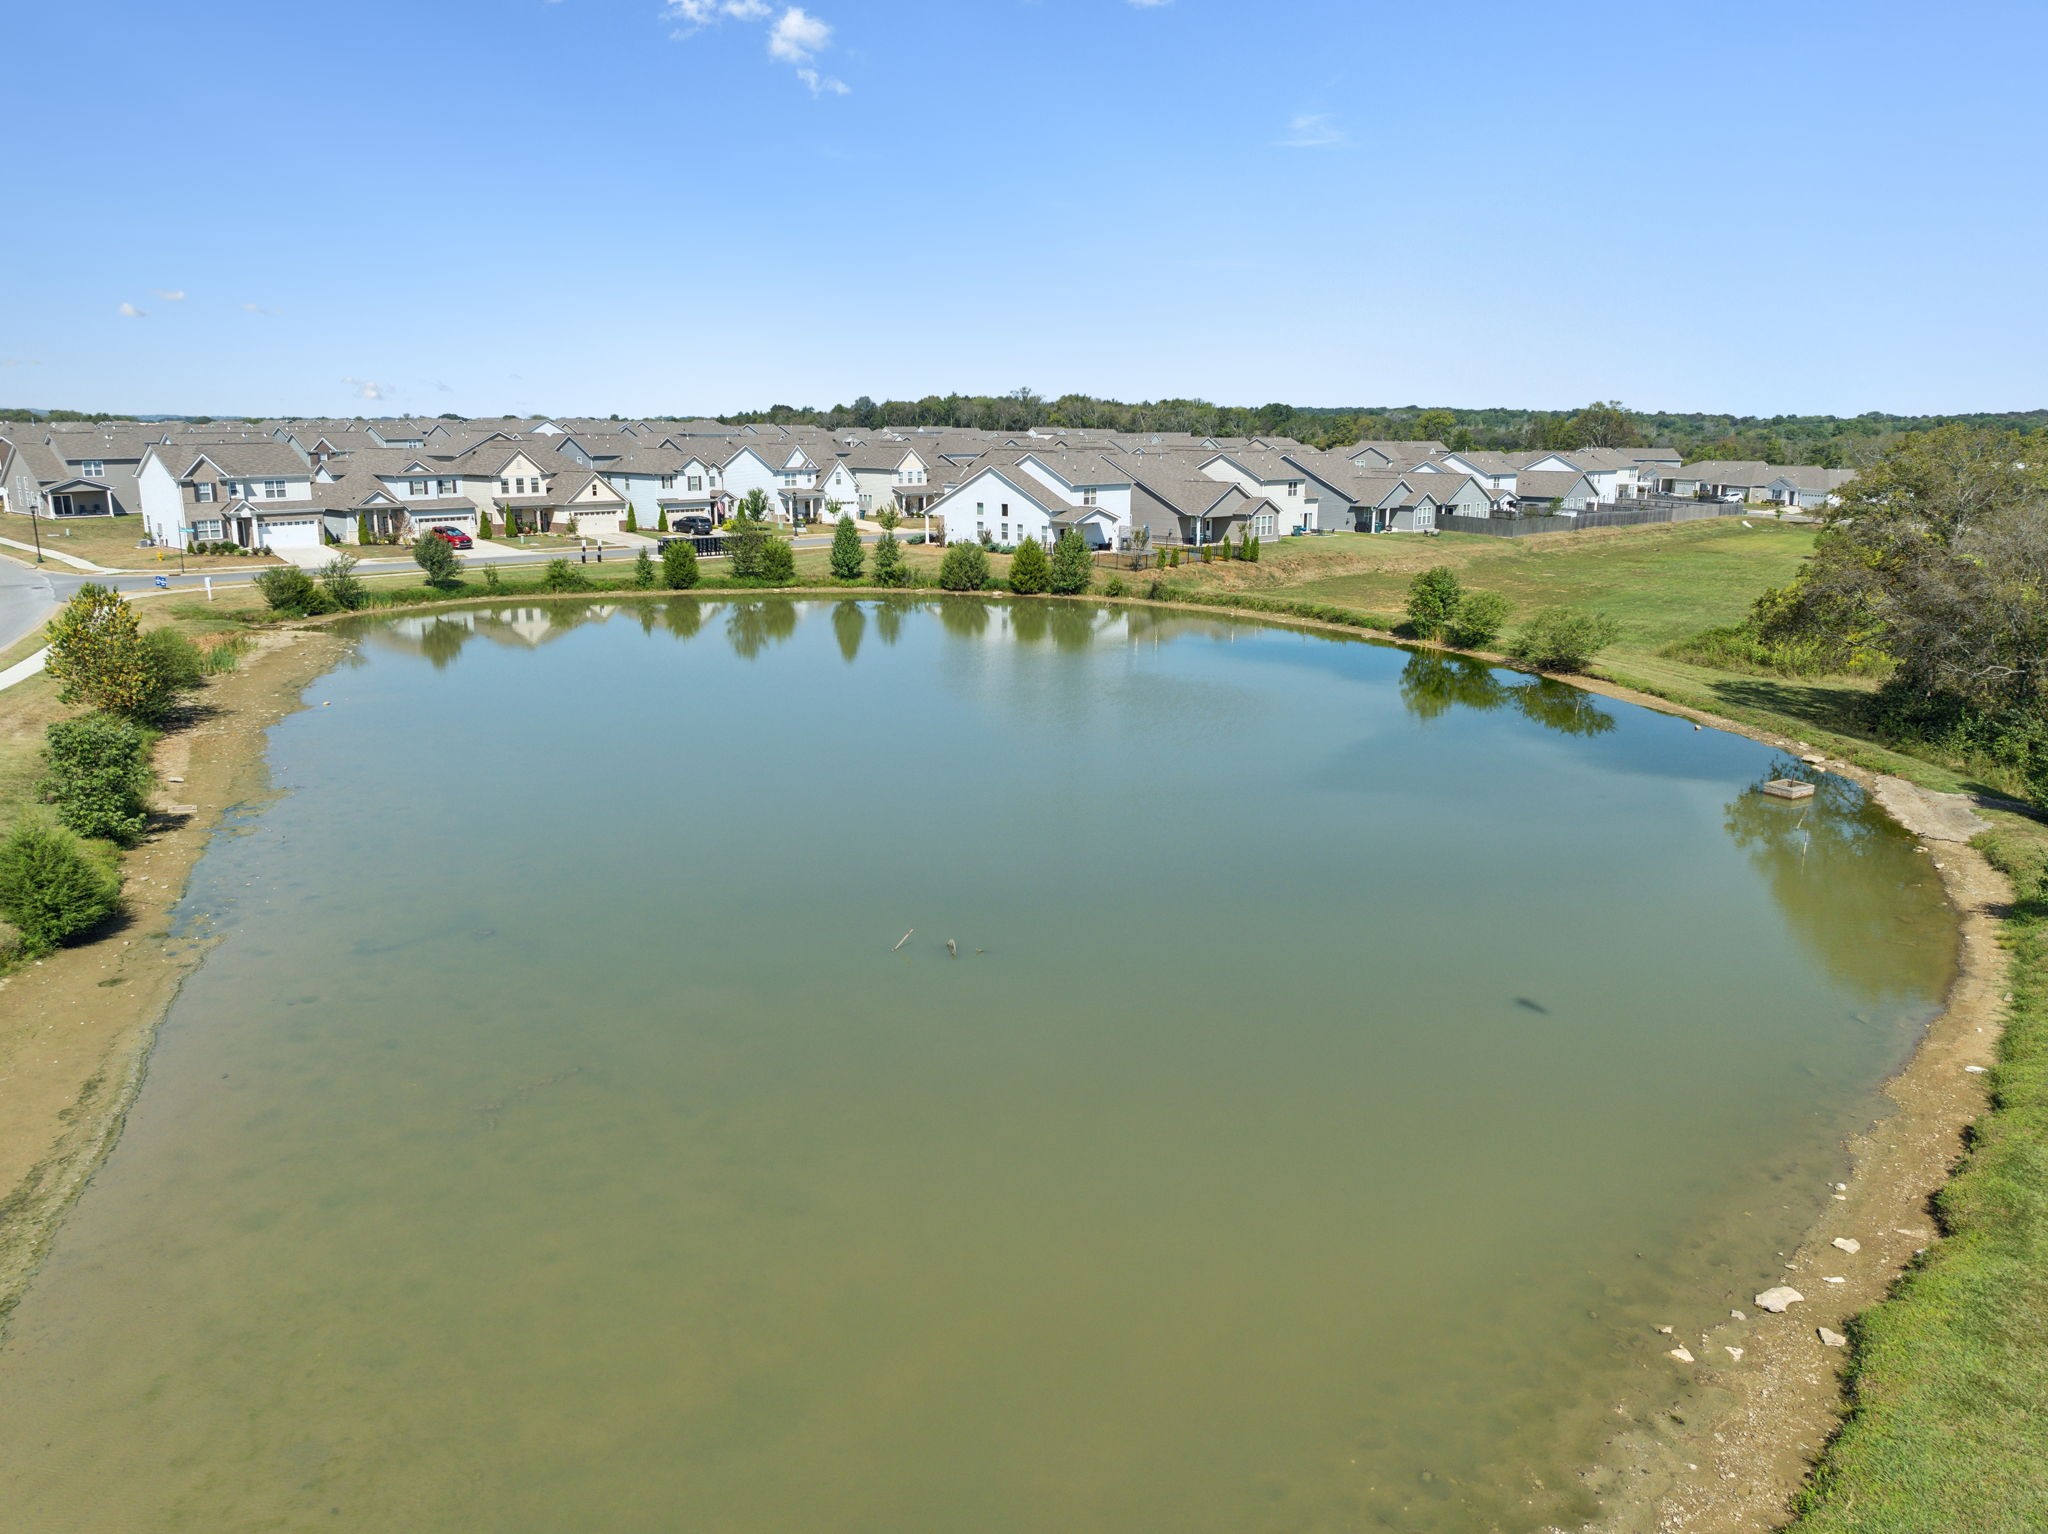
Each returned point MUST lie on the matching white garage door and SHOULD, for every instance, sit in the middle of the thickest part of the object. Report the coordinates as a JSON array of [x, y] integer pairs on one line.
[[292, 533]]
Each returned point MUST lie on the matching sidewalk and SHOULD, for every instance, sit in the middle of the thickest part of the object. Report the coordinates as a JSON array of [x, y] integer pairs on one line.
[[68, 559], [22, 670]]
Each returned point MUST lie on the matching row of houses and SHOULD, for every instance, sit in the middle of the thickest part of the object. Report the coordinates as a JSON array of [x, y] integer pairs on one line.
[[297, 486]]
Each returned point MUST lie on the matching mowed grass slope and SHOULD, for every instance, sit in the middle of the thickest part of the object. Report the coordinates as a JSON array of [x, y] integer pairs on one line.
[[1949, 1424]]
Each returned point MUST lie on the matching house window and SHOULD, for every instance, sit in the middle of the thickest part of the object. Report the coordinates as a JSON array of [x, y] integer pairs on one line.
[[504, 487], [1087, 497], [668, 481], [1294, 487], [273, 489], [444, 487], [696, 482], [207, 530], [203, 491], [92, 468], [227, 488], [417, 488]]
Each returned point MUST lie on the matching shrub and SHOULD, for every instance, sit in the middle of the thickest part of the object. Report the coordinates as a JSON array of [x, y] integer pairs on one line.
[[679, 565], [483, 522], [643, 570], [100, 659], [965, 567], [51, 887], [1564, 639], [491, 580], [1433, 598], [778, 562], [1073, 567], [889, 566], [172, 662], [362, 527], [343, 586], [1114, 586], [745, 543], [1030, 573], [434, 556], [889, 518], [291, 592], [846, 551], [1478, 620], [632, 518], [99, 777], [560, 575]]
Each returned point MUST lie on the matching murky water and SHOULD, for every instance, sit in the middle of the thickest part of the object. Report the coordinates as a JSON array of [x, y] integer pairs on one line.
[[1349, 1059]]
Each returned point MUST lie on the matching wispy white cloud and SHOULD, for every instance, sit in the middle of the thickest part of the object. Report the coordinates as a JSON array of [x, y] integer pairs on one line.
[[1312, 130], [130, 312], [798, 37], [795, 36], [369, 389], [257, 309], [170, 295]]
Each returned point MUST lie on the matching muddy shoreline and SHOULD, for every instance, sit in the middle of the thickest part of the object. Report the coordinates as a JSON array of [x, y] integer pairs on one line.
[[76, 1027], [1737, 1437]]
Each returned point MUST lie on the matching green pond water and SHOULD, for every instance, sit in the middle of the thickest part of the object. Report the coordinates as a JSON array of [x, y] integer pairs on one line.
[[1350, 1058]]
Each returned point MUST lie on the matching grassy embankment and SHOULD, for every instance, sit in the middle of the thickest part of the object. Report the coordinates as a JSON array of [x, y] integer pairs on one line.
[[112, 544], [1948, 1427]]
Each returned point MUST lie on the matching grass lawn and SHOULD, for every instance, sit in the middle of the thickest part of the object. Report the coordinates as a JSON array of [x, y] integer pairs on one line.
[[111, 542], [1948, 1429]]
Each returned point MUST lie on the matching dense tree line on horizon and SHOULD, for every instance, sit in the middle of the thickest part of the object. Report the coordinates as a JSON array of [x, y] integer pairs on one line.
[[1831, 441]]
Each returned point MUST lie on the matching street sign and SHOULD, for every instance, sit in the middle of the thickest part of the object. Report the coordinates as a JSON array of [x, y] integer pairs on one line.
[[163, 583]]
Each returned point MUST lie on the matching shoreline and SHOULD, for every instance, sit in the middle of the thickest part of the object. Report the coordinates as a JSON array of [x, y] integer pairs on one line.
[[1734, 1440], [76, 1048]]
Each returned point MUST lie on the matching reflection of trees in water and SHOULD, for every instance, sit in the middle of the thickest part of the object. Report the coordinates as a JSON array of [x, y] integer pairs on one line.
[[1067, 625], [964, 617], [849, 625], [889, 620], [682, 616], [1433, 684], [753, 626], [1845, 884], [442, 639]]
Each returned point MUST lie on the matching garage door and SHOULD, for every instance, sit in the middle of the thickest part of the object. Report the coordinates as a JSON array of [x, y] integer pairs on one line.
[[292, 533]]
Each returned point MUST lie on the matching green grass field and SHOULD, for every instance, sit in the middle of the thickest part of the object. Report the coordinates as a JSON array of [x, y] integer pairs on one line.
[[1948, 1429]]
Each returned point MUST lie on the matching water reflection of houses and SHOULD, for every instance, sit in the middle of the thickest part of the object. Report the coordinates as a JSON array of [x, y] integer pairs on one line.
[[440, 637]]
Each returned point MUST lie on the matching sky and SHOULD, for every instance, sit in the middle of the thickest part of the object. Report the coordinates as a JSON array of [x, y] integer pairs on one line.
[[588, 207]]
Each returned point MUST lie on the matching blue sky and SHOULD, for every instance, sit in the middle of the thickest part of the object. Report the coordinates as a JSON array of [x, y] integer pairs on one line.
[[589, 206]]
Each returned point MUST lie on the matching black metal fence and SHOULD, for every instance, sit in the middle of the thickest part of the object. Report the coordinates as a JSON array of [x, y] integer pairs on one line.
[[707, 545], [1610, 514]]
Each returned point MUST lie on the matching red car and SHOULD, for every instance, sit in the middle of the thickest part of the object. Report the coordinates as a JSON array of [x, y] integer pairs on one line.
[[454, 537]]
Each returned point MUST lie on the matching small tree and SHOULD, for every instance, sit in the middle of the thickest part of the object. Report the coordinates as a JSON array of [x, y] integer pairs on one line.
[[778, 562], [1478, 620], [1564, 639], [343, 586], [643, 570], [99, 658], [1251, 549], [679, 570], [51, 887], [632, 518], [290, 591], [745, 543], [1029, 571], [362, 527], [483, 522], [965, 567], [890, 567], [99, 777], [1433, 598], [1073, 567], [1245, 545], [846, 550], [560, 575], [889, 518], [433, 555]]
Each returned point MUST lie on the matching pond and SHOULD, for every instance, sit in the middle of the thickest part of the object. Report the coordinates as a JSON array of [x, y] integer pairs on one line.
[[1349, 1058]]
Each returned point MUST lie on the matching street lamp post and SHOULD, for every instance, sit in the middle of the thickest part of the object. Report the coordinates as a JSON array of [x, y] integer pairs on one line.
[[35, 530]]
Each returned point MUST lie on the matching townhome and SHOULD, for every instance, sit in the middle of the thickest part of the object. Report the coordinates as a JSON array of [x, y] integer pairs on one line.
[[1392, 455], [1722, 479], [510, 476], [100, 465], [35, 483], [1182, 506], [1095, 485], [1808, 487], [1559, 492], [256, 494], [1001, 504], [1266, 476]]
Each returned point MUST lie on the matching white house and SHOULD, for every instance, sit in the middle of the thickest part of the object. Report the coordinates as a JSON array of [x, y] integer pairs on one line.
[[1271, 477], [1004, 504], [256, 494], [1092, 483]]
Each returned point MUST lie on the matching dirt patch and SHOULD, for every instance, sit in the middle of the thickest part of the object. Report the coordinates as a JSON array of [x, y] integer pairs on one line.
[[75, 1027]]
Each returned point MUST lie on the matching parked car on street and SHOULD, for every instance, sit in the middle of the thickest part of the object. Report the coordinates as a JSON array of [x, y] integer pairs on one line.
[[454, 537], [695, 526]]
